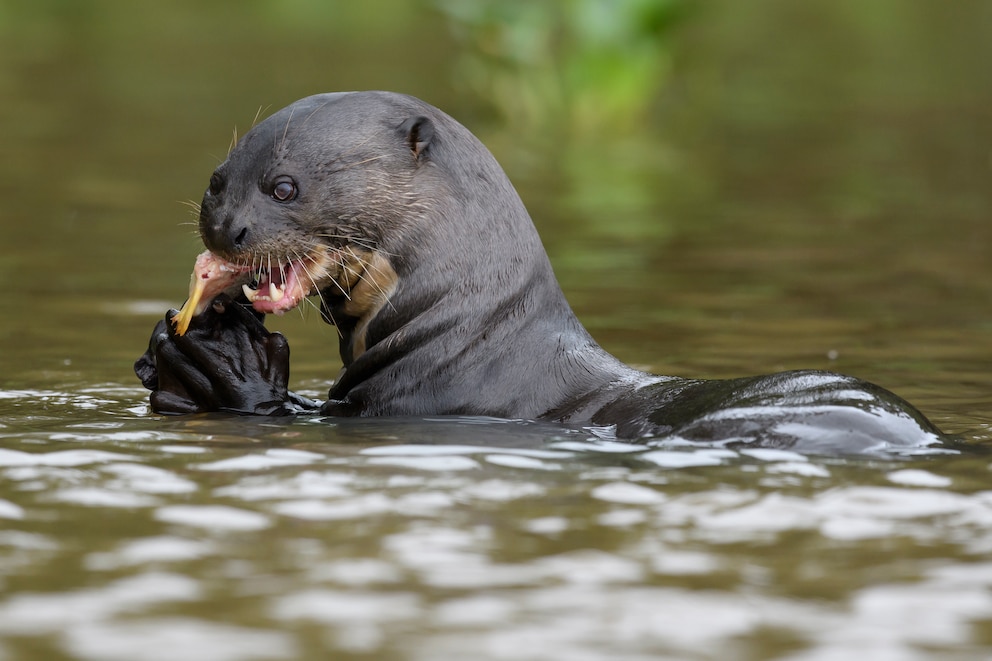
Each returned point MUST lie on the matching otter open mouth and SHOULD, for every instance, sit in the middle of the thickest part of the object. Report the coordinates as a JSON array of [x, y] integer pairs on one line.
[[278, 289], [271, 290]]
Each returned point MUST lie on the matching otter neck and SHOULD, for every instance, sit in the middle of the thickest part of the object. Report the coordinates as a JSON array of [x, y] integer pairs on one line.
[[354, 301], [469, 358]]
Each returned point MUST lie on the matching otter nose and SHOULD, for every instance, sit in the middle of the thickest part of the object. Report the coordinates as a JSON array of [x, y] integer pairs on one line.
[[222, 233]]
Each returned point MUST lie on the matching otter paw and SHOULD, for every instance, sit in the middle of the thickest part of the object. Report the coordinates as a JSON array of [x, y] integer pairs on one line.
[[225, 361]]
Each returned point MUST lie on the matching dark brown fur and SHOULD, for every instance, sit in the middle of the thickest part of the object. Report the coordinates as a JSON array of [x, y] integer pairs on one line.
[[446, 302]]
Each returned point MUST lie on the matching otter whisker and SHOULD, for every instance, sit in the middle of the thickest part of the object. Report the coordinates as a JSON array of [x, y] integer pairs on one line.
[[344, 293], [375, 285], [352, 271], [362, 245], [285, 131], [355, 164], [315, 111], [234, 141], [368, 265], [366, 244], [256, 265], [258, 113], [323, 307], [327, 312], [292, 267], [194, 210]]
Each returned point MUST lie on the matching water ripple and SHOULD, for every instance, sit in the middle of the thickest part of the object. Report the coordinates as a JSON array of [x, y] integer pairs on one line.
[[572, 548]]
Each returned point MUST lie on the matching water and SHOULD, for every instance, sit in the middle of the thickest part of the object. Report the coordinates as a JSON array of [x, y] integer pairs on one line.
[[209, 538], [810, 191]]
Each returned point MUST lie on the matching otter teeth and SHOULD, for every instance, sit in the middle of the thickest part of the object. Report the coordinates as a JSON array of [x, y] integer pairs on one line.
[[276, 293]]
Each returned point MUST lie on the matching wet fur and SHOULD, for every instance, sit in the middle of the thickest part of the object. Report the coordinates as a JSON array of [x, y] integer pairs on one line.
[[446, 303]]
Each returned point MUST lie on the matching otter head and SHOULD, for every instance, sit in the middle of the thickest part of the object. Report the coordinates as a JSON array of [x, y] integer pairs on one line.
[[311, 199], [388, 210]]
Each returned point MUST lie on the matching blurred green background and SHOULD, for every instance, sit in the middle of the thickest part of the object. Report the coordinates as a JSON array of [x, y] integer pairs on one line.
[[723, 187]]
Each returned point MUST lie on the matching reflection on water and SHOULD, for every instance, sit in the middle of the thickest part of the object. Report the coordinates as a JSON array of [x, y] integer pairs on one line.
[[809, 189]]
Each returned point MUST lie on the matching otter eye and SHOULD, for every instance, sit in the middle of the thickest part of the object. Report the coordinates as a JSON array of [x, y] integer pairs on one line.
[[284, 190], [216, 184]]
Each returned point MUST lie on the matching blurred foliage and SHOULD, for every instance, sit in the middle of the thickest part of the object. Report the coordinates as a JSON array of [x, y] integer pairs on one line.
[[632, 128], [576, 79], [582, 63]]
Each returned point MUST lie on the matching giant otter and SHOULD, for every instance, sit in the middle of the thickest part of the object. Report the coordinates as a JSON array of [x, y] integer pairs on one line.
[[419, 250]]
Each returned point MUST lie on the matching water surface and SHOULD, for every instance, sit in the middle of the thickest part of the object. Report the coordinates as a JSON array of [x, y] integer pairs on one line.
[[811, 189]]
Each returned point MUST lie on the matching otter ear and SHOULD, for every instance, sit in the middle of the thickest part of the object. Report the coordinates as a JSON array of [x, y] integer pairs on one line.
[[419, 132]]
